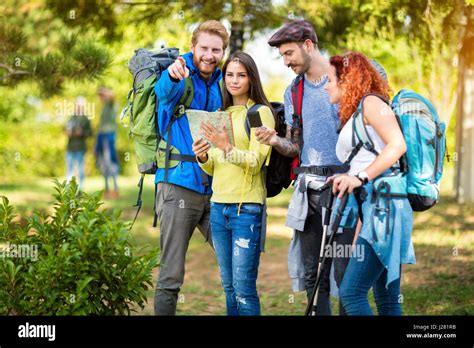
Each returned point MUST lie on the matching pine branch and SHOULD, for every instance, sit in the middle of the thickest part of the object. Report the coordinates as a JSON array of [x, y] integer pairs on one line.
[[12, 72]]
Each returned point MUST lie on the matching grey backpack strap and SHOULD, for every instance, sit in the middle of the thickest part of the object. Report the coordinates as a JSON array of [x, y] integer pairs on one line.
[[361, 133], [359, 130], [359, 127]]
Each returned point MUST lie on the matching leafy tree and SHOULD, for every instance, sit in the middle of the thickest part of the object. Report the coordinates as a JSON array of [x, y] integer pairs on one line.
[[427, 41], [246, 17]]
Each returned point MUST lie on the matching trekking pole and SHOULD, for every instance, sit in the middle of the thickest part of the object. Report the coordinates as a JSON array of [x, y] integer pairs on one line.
[[325, 200], [313, 303]]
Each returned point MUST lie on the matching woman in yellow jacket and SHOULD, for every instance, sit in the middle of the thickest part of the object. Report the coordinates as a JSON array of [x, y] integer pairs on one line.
[[238, 185]]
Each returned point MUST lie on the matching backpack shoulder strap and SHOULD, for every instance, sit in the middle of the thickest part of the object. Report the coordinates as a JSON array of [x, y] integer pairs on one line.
[[186, 98], [179, 110], [359, 127], [378, 96], [297, 100], [359, 131], [297, 90], [253, 109]]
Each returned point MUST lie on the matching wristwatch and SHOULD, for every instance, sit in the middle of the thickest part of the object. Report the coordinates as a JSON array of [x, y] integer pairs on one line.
[[363, 177]]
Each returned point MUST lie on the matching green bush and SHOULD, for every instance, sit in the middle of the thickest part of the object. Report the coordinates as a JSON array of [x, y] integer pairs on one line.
[[84, 262]]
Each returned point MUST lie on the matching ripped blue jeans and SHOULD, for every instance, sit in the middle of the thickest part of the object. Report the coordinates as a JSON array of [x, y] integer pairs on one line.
[[236, 240]]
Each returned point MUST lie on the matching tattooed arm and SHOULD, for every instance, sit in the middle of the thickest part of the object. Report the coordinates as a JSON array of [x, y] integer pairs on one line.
[[287, 147], [284, 146]]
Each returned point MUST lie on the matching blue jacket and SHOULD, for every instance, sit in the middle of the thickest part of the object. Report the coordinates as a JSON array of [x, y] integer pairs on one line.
[[206, 97]]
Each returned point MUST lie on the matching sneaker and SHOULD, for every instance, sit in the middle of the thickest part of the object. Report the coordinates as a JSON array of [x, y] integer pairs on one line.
[[114, 194]]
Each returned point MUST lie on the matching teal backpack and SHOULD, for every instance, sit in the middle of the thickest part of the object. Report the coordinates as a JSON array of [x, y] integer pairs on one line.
[[425, 137]]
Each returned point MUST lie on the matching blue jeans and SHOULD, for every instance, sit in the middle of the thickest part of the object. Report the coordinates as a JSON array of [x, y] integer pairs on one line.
[[360, 276], [78, 157], [236, 241], [106, 158]]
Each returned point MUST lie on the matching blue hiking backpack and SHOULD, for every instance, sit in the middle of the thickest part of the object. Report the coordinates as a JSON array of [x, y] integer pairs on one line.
[[425, 137]]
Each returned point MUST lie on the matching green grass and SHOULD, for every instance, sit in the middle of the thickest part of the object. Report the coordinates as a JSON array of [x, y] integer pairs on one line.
[[442, 281]]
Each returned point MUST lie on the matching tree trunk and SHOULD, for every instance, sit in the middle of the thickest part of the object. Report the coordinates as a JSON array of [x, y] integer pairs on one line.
[[236, 37], [464, 181]]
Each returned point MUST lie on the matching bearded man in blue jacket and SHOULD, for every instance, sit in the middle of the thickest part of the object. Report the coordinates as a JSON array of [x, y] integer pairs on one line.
[[182, 201]]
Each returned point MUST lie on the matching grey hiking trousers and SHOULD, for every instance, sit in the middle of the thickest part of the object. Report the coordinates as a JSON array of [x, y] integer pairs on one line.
[[180, 211]]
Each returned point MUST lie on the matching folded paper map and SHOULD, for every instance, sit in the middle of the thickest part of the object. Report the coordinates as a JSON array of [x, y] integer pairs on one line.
[[218, 119]]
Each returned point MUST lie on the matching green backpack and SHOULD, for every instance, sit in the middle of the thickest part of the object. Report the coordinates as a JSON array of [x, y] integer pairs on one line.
[[140, 113]]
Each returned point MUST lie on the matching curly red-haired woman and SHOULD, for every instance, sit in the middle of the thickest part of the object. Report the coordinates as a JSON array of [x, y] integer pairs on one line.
[[387, 218]]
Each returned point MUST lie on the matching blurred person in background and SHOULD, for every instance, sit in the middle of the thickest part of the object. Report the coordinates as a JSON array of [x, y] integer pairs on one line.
[[105, 153], [78, 129]]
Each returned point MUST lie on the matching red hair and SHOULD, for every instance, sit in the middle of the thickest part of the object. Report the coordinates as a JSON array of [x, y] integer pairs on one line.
[[357, 77]]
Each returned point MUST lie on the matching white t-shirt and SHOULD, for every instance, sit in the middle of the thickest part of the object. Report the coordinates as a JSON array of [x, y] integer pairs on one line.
[[364, 157]]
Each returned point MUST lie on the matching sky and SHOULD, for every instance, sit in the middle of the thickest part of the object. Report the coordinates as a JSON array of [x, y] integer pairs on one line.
[[268, 60]]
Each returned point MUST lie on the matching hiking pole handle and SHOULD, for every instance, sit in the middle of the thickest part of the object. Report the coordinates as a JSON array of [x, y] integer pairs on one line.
[[324, 187], [338, 217], [340, 211], [328, 211]]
